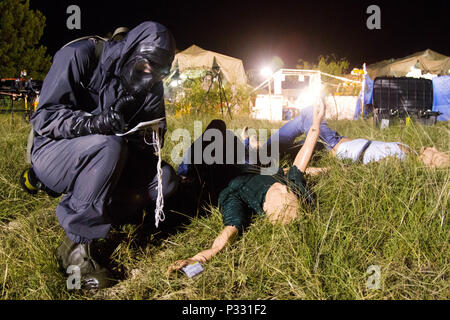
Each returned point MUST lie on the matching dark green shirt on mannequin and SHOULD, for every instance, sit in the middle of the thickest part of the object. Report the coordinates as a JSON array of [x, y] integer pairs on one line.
[[246, 194]]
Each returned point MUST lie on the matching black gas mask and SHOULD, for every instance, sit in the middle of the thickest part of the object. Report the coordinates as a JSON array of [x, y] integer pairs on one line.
[[146, 66]]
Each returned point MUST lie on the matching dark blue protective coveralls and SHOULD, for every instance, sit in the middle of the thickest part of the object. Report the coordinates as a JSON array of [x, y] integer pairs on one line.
[[102, 176]]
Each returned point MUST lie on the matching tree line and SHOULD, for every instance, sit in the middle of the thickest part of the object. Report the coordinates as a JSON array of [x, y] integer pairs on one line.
[[21, 29]]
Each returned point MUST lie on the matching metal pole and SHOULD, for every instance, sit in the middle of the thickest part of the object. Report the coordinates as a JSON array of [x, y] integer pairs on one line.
[[270, 100], [207, 92], [363, 90], [12, 108]]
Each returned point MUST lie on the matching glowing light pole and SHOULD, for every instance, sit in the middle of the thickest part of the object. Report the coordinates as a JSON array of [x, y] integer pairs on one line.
[[267, 73]]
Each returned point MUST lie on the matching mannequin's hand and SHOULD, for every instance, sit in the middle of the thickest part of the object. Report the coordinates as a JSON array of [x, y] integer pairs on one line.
[[319, 111], [179, 264]]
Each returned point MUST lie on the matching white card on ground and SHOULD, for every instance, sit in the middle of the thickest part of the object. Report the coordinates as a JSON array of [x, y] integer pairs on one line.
[[192, 270]]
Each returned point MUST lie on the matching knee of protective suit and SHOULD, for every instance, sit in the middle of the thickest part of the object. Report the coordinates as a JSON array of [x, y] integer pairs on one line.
[[113, 148], [68, 163], [115, 143]]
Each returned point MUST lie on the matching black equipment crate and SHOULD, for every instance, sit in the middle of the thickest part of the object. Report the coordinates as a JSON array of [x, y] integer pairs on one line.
[[403, 97]]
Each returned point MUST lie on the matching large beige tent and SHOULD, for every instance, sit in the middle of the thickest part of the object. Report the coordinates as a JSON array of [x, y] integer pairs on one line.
[[195, 57], [428, 61]]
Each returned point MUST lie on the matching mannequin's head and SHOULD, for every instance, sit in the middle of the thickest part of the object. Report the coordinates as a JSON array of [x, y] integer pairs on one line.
[[281, 204]]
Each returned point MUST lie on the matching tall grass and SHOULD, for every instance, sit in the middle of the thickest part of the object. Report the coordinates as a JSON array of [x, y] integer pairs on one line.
[[393, 214]]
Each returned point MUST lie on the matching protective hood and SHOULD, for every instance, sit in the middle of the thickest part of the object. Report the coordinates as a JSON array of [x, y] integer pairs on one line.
[[153, 34], [117, 53]]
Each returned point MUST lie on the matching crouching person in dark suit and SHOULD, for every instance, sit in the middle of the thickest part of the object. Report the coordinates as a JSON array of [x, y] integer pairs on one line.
[[87, 98]]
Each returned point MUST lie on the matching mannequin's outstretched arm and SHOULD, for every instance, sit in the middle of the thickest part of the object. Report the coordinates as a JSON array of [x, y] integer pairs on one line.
[[304, 155], [204, 256]]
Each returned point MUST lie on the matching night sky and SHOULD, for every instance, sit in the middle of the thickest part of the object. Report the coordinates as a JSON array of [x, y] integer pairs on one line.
[[256, 31]]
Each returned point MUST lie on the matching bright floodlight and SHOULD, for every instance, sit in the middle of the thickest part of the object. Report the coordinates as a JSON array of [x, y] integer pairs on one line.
[[308, 97], [266, 72]]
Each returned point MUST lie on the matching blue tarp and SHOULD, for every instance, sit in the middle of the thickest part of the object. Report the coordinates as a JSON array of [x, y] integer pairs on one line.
[[368, 97], [441, 97]]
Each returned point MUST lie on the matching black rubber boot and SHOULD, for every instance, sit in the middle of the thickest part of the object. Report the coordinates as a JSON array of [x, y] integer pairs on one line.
[[93, 275]]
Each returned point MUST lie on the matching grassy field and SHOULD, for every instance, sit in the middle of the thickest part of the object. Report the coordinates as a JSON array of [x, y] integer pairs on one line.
[[391, 214]]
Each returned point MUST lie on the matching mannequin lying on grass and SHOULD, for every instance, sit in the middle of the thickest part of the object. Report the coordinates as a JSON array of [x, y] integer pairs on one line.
[[276, 196], [357, 150], [276, 200]]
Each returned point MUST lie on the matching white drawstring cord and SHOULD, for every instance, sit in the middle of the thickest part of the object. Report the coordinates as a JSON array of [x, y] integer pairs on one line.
[[159, 213]]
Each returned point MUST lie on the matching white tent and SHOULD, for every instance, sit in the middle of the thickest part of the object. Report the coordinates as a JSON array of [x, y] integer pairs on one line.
[[195, 57], [427, 61]]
